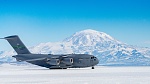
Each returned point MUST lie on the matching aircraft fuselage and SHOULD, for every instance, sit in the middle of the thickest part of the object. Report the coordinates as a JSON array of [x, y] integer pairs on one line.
[[58, 61]]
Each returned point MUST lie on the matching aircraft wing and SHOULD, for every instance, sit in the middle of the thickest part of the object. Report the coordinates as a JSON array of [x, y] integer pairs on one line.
[[38, 59], [59, 56]]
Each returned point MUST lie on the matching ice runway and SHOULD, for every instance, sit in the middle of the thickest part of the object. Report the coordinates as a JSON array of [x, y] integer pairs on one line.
[[12, 74]]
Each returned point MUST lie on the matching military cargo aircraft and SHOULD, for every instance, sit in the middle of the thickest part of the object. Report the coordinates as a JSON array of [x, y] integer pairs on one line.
[[50, 61]]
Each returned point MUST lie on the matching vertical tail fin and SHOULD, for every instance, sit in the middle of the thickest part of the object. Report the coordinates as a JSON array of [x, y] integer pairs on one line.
[[17, 44]]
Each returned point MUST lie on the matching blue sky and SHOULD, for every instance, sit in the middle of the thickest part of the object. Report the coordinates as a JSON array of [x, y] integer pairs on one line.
[[37, 21]]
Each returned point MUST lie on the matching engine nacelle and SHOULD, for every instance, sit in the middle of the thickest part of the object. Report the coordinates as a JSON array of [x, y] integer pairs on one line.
[[53, 62], [68, 61]]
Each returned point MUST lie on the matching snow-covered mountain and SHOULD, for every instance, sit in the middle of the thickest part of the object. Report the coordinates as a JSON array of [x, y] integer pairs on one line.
[[108, 50]]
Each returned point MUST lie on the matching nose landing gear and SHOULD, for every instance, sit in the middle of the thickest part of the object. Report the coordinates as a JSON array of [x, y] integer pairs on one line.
[[92, 67]]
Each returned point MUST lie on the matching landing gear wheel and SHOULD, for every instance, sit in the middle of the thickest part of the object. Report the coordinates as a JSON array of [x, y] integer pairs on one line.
[[92, 67]]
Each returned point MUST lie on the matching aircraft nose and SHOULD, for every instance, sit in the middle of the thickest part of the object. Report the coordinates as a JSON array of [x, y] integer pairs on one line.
[[97, 61]]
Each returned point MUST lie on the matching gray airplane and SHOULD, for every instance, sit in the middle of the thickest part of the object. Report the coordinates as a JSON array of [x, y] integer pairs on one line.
[[49, 60]]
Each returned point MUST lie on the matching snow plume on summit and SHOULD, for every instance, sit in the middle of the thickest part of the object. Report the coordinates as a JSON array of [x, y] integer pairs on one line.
[[108, 50]]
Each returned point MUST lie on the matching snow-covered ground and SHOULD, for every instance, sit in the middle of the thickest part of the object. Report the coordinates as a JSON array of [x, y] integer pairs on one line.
[[12, 74]]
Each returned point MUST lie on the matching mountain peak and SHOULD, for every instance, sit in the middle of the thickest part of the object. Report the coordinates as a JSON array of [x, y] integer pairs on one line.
[[89, 37], [88, 31], [94, 33]]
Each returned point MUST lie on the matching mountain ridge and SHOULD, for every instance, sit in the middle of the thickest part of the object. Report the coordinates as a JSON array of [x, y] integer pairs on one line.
[[108, 50]]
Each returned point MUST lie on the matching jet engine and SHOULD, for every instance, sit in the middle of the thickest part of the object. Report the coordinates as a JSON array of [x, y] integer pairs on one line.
[[53, 62], [68, 61]]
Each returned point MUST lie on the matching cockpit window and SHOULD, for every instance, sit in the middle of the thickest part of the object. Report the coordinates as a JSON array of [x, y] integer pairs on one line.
[[92, 57]]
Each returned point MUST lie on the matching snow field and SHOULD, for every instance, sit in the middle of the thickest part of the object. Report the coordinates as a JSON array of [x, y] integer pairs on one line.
[[12, 74]]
